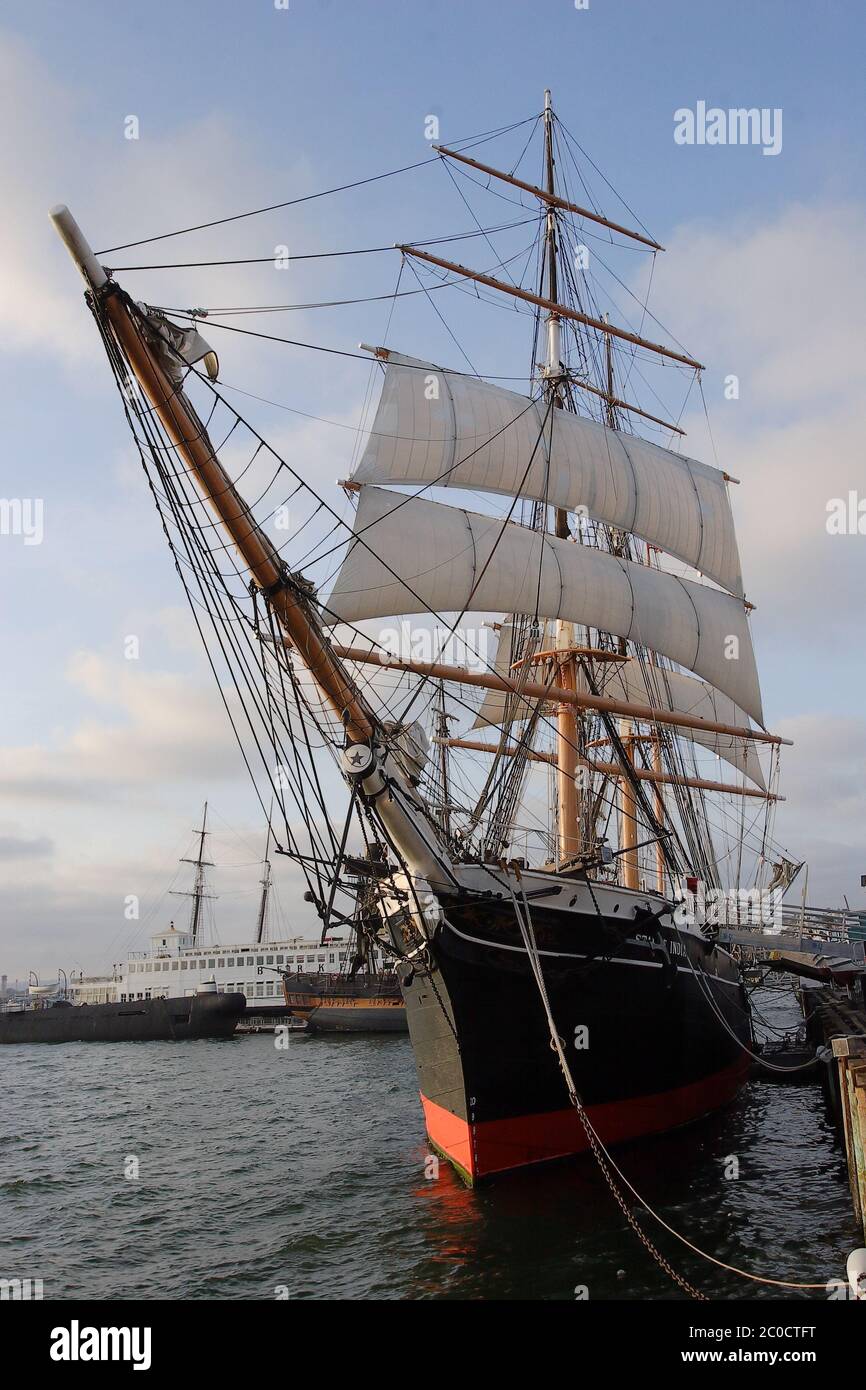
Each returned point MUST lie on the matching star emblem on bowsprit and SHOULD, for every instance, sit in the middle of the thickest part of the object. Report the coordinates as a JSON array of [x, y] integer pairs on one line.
[[357, 758]]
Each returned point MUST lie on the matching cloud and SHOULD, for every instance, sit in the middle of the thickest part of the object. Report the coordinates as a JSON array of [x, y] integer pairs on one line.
[[151, 725], [780, 304], [773, 301], [17, 847], [34, 313], [112, 789], [62, 153], [822, 819]]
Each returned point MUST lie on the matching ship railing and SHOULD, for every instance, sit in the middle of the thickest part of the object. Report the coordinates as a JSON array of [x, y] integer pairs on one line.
[[812, 927], [835, 924]]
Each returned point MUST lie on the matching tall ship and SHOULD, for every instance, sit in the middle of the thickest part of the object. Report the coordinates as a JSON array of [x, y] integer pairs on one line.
[[533, 878]]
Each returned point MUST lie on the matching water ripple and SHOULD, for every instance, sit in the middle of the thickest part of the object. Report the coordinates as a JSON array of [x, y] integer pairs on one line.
[[304, 1168]]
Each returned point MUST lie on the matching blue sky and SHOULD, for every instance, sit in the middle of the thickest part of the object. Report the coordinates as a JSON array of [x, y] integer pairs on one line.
[[342, 80], [242, 105]]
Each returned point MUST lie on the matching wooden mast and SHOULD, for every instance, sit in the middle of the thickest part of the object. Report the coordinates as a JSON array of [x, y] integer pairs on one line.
[[628, 838], [563, 310], [185, 431], [659, 813], [643, 774], [610, 399], [619, 404], [569, 798], [406, 823], [535, 690], [547, 194], [444, 771]]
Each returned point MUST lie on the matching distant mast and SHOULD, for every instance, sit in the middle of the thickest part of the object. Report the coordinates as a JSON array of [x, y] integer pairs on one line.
[[266, 889], [198, 893]]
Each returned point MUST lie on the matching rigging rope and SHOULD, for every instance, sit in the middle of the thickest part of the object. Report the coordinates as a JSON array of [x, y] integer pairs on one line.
[[326, 255], [466, 143]]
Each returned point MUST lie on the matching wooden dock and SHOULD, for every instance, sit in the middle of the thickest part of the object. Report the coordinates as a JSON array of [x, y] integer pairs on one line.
[[840, 1021], [850, 1057]]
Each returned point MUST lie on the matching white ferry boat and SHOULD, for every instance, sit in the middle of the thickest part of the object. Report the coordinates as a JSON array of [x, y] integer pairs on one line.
[[176, 965]]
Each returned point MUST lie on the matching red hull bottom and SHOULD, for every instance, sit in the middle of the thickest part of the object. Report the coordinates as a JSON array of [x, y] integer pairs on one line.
[[497, 1146]]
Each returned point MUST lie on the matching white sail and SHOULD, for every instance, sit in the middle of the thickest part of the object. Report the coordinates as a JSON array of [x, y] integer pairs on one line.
[[666, 689], [674, 690], [438, 427], [414, 556]]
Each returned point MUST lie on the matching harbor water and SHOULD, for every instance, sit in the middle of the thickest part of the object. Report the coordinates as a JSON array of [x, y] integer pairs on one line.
[[239, 1170]]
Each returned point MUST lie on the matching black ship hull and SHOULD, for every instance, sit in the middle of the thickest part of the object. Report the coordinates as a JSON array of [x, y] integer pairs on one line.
[[140, 1020], [335, 1004], [653, 1022]]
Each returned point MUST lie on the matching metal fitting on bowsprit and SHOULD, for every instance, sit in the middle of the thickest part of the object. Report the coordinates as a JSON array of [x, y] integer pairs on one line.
[[357, 760]]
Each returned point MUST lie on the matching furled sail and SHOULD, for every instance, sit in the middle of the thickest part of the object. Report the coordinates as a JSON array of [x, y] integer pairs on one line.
[[409, 555], [438, 427], [669, 689]]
